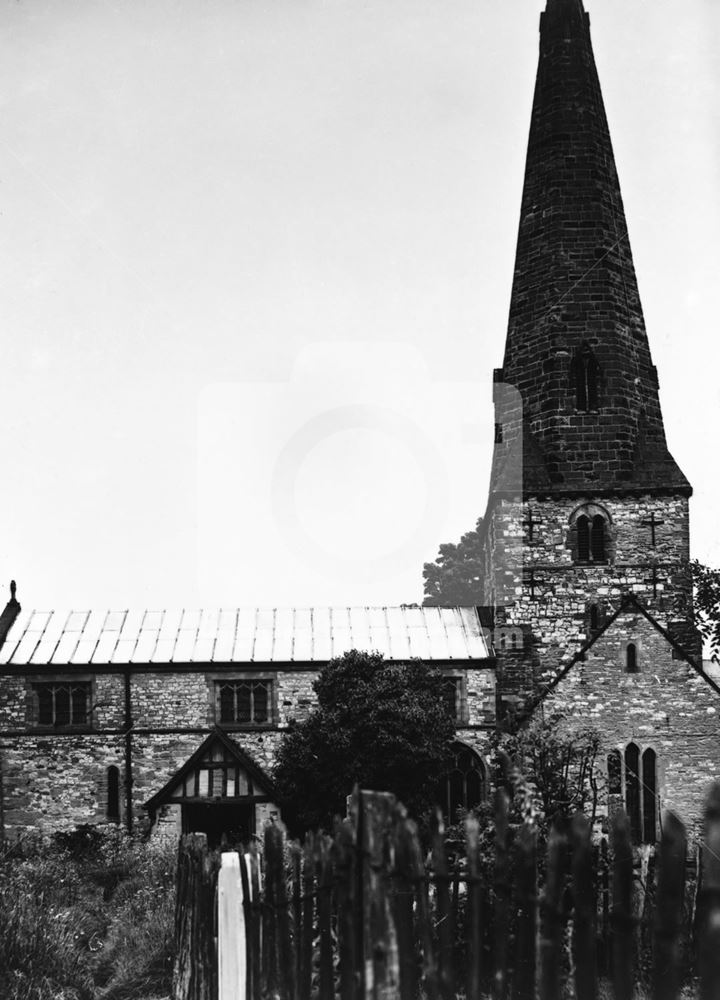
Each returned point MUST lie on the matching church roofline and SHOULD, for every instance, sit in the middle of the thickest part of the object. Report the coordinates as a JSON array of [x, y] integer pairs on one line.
[[210, 638]]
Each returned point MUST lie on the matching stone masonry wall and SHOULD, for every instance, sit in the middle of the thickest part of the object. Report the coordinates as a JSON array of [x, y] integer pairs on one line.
[[557, 615], [56, 781], [666, 706]]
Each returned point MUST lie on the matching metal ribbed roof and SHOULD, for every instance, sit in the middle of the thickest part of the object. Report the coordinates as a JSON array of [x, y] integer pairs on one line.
[[241, 635]]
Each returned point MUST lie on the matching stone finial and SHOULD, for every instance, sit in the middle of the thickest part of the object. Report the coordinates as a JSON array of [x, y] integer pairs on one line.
[[13, 588]]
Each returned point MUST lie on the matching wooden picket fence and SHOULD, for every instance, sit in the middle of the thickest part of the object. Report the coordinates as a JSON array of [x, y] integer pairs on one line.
[[368, 914]]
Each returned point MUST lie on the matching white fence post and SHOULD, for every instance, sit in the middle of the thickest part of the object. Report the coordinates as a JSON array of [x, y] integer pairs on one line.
[[232, 954]]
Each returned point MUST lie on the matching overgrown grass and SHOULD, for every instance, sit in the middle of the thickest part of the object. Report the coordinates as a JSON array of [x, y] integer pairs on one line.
[[86, 917]]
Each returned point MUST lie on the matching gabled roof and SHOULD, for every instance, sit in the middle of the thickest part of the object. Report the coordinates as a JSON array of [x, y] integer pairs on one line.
[[629, 601], [241, 635], [216, 736]]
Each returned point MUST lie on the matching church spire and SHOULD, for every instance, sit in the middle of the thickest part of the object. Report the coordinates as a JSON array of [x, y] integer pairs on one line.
[[577, 349]]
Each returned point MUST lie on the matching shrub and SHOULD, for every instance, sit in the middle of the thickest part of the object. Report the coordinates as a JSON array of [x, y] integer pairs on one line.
[[89, 915]]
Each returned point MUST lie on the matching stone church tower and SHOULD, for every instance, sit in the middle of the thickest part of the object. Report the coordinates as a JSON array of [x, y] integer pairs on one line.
[[586, 505]]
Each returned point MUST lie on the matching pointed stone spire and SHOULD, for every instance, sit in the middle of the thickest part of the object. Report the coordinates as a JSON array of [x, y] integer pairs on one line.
[[577, 349]]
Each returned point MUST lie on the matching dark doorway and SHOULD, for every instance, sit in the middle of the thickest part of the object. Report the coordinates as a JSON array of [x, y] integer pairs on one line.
[[236, 822]]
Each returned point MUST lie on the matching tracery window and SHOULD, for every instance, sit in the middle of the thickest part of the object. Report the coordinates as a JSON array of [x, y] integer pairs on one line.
[[61, 704], [632, 777], [244, 702], [466, 783]]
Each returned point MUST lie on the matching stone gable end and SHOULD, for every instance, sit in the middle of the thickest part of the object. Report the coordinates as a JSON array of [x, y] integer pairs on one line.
[[665, 705]]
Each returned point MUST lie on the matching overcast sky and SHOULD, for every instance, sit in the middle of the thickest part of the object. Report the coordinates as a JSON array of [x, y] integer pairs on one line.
[[255, 276]]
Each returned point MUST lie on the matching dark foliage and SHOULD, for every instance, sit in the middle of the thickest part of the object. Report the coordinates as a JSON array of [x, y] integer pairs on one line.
[[706, 583], [455, 578], [380, 725]]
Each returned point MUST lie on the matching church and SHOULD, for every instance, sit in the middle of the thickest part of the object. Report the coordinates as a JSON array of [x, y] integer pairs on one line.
[[170, 721]]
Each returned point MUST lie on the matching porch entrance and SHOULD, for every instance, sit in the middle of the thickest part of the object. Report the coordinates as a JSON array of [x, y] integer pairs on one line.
[[236, 821]]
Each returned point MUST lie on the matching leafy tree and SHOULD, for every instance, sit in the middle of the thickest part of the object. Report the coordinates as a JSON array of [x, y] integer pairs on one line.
[[382, 725], [706, 584], [553, 772], [455, 578]]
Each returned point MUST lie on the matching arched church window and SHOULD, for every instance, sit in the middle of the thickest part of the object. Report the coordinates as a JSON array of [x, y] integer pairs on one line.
[[649, 794], [597, 538], [594, 618], [513, 641], [583, 538], [632, 790], [585, 376], [465, 785], [113, 794], [631, 664]]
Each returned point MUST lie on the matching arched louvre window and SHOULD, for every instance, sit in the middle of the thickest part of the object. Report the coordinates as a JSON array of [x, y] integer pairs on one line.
[[583, 537], [465, 785], [597, 538], [585, 375], [631, 664], [113, 794], [649, 796], [632, 790]]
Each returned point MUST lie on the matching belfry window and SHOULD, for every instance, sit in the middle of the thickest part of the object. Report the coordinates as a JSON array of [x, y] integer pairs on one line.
[[597, 538], [583, 538], [585, 376], [592, 536]]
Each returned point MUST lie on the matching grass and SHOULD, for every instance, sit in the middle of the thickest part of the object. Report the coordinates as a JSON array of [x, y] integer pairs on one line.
[[86, 916]]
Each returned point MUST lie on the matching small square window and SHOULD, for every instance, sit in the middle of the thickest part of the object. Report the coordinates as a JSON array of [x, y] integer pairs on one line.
[[244, 703]]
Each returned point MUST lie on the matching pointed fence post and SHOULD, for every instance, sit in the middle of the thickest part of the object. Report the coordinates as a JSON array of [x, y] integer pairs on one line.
[[403, 906], [584, 947], [474, 922], [709, 900], [526, 860], [551, 914], [195, 970], [623, 925], [256, 939], [502, 896], [669, 909], [444, 919], [232, 946]]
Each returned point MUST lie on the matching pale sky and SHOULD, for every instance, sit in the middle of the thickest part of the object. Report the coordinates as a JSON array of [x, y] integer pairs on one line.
[[256, 268]]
